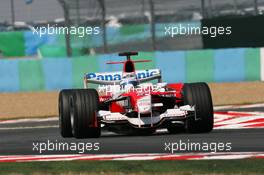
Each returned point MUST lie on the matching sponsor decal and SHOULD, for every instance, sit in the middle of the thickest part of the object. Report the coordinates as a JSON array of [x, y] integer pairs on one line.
[[113, 76], [104, 76]]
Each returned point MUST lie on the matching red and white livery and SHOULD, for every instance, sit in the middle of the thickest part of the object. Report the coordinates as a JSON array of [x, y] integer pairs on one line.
[[134, 102]]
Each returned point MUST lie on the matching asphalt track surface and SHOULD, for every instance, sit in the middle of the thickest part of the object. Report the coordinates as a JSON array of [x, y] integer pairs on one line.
[[20, 138]]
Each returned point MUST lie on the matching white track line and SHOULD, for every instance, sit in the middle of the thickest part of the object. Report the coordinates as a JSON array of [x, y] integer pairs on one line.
[[56, 118], [239, 106], [29, 120], [30, 127], [229, 120]]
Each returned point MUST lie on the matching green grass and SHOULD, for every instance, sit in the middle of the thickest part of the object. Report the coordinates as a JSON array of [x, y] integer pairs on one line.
[[210, 167]]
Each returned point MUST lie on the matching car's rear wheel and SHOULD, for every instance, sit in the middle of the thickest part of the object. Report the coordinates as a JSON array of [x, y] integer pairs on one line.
[[84, 116], [199, 95], [64, 113]]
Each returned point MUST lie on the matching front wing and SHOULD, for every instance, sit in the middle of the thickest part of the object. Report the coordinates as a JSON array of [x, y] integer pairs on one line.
[[153, 120]]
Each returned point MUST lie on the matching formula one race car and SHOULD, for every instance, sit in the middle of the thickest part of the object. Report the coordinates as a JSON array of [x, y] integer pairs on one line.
[[131, 102]]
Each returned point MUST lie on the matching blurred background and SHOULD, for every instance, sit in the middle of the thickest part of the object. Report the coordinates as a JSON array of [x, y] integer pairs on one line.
[[29, 62]]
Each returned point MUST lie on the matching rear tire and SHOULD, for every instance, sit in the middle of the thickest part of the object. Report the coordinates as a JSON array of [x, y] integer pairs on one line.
[[64, 113], [84, 119], [199, 94]]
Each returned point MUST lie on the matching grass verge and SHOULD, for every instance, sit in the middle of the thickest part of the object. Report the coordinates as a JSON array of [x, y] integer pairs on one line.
[[191, 167]]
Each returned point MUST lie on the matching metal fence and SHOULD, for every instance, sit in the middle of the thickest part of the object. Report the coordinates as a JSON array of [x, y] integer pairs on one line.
[[152, 13], [50, 10]]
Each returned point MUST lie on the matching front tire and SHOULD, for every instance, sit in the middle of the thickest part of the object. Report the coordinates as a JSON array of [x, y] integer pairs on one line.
[[199, 95], [84, 120]]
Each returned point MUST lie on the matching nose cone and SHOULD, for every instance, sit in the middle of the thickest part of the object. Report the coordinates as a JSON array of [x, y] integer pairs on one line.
[[144, 104]]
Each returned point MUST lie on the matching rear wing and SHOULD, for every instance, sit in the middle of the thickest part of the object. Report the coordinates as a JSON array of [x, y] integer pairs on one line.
[[114, 78]]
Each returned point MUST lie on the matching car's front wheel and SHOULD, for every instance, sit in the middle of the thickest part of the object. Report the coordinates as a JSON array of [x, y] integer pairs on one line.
[[84, 122], [199, 95]]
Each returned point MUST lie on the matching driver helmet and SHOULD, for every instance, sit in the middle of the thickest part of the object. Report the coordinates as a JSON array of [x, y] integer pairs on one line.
[[130, 83]]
